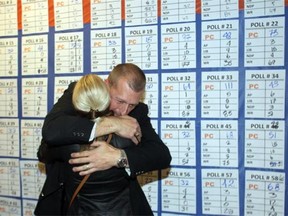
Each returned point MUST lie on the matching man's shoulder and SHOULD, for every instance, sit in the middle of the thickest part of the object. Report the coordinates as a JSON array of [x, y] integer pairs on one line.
[[141, 106], [140, 110], [70, 87], [72, 84]]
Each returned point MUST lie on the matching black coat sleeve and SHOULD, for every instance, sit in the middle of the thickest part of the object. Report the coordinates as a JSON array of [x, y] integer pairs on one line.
[[62, 125], [151, 154]]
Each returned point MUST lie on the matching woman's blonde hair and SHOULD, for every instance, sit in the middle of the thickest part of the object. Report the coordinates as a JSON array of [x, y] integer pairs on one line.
[[91, 94]]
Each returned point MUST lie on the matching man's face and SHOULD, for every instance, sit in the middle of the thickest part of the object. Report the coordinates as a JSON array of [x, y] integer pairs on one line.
[[123, 98]]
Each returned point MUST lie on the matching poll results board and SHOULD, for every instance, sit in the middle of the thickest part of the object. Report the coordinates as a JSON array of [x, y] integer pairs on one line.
[[216, 91]]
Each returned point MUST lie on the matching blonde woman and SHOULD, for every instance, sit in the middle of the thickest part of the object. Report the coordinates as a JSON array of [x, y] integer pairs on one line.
[[105, 192]]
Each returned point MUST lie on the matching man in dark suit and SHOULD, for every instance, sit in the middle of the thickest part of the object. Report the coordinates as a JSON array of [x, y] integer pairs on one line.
[[126, 84]]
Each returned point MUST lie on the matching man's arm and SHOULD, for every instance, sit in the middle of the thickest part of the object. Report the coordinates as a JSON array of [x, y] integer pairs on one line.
[[62, 125], [150, 154], [124, 126]]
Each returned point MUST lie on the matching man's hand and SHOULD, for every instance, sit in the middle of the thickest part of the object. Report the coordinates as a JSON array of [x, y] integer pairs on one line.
[[101, 156], [124, 126]]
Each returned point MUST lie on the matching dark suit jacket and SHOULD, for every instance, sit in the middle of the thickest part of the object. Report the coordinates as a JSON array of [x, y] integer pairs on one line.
[[62, 126]]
